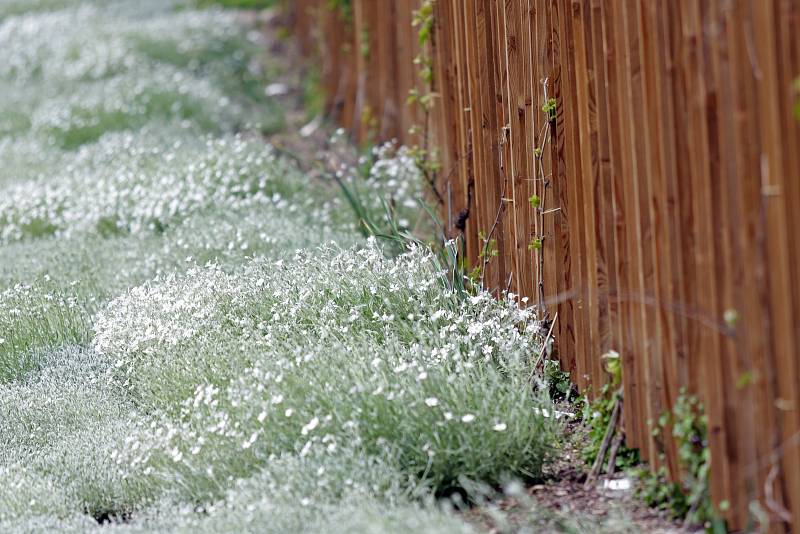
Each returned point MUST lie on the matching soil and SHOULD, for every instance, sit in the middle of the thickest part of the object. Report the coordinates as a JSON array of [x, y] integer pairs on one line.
[[563, 502]]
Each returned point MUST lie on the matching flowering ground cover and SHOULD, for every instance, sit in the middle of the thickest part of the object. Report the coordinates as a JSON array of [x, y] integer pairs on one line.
[[193, 334]]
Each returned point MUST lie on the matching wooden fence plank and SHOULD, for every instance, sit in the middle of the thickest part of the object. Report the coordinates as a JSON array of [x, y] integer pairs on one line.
[[506, 231], [445, 87], [542, 139], [565, 327], [467, 218], [719, 405], [620, 141], [779, 195], [657, 139], [587, 135], [520, 112], [575, 195], [641, 250], [602, 184]]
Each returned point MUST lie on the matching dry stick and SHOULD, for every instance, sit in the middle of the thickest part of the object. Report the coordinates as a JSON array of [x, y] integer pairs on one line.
[[540, 359], [488, 240], [769, 494], [601, 454], [612, 456]]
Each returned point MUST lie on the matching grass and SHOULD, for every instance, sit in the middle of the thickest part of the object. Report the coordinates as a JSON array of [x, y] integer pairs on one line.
[[194, 336]]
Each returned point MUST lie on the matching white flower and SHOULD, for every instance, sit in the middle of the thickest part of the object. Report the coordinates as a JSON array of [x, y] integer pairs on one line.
[[288, 412], [310, 426], [247, 444], [467, 418], [432, 401], [499, 427]]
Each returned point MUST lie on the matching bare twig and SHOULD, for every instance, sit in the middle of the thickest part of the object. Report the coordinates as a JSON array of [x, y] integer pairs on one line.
[[769, 496], [601, 454], [540, 358], [612, 457]]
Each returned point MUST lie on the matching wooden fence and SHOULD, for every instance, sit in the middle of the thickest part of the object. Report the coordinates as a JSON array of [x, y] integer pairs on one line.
[[652, 207]]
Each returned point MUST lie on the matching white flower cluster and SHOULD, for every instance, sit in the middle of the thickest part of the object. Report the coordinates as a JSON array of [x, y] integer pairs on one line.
[[389, 178], [69, 76], [328, 295], [330, 349], [128, 183], [52, 45], [395, 175]]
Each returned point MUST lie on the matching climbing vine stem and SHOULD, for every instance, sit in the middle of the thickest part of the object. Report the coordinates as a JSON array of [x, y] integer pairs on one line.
[[538, 200]]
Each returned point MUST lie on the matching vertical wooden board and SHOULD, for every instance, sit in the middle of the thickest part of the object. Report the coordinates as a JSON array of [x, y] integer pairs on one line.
[[468, 217], [684, 96], [636, 383], [703, 157], [649, 191], [483, 122], [565, 327], [347, 90], [787, 21], [443, 112], [495, 275], [538, 135], [737, 224], [303, 24], [720, 141], [505, 225], [752, 357], [779, 196], [387, 105], [660, 158], [359, 27], [331, 60], [675, 203], [575, 194], [520, 114], [405, 75], [642, 249], [621, 172], [454, 103], [534, 140], [478, 210], [587, 138], [372, 113], [596, 287], [670, 206], [603, 186], [543, 89], [367, 114]]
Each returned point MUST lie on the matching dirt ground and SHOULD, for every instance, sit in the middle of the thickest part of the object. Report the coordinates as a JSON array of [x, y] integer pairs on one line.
[[562, 502]]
